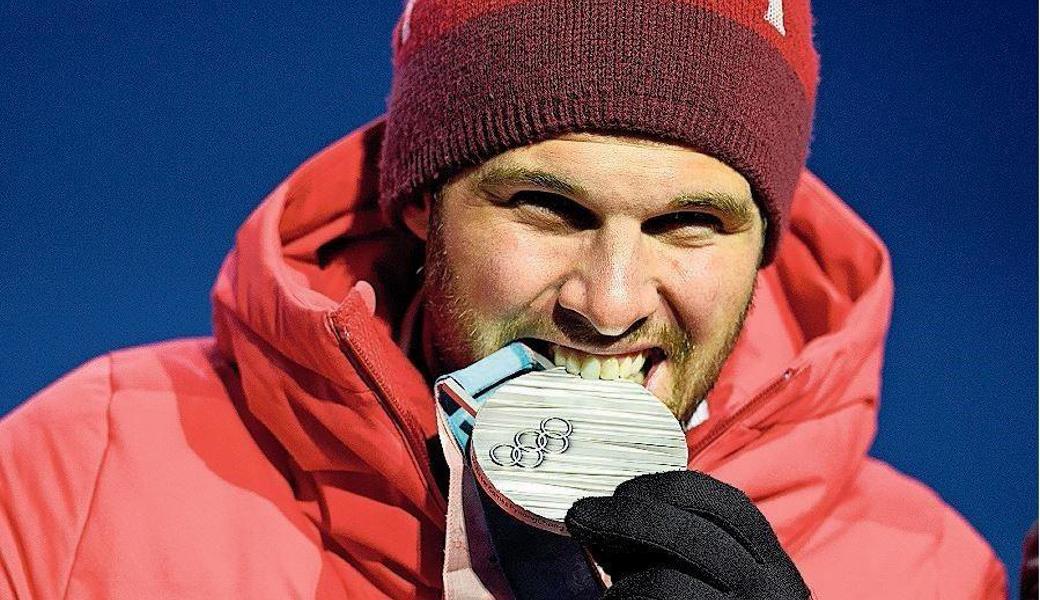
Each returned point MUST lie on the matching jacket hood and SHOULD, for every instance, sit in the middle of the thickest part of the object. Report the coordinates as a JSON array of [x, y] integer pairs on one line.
[[794, 411], [791, 417]]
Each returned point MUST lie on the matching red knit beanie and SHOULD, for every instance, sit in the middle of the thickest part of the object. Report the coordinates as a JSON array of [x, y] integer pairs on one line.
[[735, 79]]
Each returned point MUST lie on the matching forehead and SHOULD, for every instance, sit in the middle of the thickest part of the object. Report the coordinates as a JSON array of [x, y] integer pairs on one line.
[[602, 138]]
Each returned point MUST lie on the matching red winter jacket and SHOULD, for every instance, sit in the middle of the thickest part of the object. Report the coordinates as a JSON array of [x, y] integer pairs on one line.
[[287, 457]]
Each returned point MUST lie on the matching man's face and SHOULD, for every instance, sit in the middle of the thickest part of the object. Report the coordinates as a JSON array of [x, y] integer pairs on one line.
[[617, 257]]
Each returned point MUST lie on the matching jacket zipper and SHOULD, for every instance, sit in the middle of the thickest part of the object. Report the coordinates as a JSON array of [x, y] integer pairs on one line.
[[413, 443], [751, 406]]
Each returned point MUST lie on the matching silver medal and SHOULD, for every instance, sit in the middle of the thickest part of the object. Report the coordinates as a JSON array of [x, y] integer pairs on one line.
[[548, 438]]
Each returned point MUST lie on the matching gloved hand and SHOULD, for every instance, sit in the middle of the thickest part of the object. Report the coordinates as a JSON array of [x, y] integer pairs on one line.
[[684, 535]]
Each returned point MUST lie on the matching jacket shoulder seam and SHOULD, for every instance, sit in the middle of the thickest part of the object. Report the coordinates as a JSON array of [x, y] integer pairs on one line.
[[97, 478]]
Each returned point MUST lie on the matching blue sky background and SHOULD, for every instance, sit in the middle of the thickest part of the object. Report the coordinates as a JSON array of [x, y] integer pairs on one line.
[[134, 138]]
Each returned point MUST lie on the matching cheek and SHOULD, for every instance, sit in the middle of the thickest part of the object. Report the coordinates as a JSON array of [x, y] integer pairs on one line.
[[709, 290], [502, 268]]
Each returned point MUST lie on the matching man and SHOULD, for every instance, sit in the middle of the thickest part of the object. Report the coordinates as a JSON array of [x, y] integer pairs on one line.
[[612, 181]]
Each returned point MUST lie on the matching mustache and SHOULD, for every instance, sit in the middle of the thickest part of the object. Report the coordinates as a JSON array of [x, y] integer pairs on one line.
[[568, 325]]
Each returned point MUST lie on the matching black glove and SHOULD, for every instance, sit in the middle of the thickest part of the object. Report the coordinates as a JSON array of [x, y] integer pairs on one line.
[[683, 534]]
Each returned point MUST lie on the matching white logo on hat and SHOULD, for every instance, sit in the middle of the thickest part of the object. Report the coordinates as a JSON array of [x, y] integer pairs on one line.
[[406, 21], [775, 15]]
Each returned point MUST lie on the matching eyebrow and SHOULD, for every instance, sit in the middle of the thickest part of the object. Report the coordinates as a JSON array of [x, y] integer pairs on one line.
[[514, 175], [736, 207]]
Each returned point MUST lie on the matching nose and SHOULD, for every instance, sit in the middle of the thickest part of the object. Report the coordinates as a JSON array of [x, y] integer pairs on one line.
[[611, 284]]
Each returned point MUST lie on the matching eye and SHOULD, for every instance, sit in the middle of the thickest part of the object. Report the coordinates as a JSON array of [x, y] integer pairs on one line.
[[554, 207], [677, 221]]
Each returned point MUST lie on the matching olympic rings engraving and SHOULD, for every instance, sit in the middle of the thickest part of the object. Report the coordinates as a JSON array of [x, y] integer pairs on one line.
[[530, 446]]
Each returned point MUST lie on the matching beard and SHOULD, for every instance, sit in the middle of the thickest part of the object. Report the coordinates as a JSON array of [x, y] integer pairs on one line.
[[460, 335]]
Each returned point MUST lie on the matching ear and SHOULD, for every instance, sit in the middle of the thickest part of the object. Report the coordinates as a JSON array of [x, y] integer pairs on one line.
[[416, 215], [765, 236]]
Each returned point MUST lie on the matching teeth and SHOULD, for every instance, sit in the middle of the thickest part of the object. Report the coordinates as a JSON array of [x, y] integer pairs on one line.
[[637, 362], [627, 368], [590, 368], [573, 364]]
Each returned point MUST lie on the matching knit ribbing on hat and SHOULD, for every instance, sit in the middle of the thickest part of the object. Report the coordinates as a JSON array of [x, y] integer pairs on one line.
[[531, 70]]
